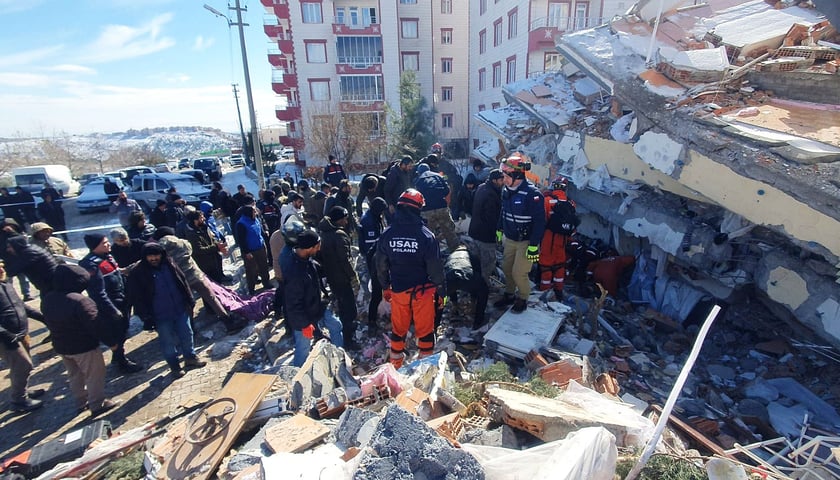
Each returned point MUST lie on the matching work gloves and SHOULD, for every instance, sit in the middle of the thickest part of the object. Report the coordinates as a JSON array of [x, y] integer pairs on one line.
[[499, 236], [533, 254], [387, 294]]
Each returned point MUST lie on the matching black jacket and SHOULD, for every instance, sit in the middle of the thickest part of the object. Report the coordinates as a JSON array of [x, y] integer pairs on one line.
[[70, 316], [141, 284], [304, 305], [396, 183], [157, 217], [36, 263], [335, 255], [13, 315], [487, 206], [129, 254], [204, 249], [106, 286], [364, 194]]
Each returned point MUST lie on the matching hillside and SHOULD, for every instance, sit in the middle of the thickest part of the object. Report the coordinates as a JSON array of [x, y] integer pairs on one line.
[[86, 152]]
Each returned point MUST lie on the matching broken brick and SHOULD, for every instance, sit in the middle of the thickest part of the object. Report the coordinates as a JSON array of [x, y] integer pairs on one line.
[[561, 373]]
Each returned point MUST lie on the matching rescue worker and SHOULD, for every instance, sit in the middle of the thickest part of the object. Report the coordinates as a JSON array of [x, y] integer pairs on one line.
[[561, 222], [399, 179], [437, 194], [520, 230], [334, 173], [410, 270], [370, 228]]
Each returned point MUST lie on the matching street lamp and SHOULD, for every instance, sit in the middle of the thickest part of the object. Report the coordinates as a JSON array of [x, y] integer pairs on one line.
[[255, 134]]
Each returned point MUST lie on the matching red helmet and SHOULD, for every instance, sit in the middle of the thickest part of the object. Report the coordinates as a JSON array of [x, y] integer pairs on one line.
[[560, 183], [412, 198], [516, 162], [437, 148]]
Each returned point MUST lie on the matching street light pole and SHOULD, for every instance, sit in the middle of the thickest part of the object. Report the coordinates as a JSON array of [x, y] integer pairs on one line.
[[255, 134], [239, 114]]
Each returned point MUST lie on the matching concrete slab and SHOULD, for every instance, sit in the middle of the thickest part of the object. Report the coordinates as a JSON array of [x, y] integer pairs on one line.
[[516, 334]]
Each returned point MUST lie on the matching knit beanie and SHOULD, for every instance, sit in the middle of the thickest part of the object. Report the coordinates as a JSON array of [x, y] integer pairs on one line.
[[92, 240]]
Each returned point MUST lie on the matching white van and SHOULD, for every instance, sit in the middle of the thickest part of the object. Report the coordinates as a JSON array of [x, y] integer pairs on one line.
[[33, 179]]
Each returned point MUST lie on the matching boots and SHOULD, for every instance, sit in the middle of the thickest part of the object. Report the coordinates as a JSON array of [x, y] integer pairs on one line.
[[519, 305], [193, 362], [26, 405], [123, 363], [176, 369], [506, 300]]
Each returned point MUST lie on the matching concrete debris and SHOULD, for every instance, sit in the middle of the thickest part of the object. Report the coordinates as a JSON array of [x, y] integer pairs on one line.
[[403, 447], [356, 426], [325, 369]]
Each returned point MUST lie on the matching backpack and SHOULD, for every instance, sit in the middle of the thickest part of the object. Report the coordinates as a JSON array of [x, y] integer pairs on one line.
[[563, 218]]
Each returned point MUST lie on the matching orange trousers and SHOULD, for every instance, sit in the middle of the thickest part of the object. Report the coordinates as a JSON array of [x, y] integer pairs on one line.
[[416, 304], [552, 262]]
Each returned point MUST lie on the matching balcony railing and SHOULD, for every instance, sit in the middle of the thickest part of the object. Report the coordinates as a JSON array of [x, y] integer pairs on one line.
[[285, 106], [270, 20], [277, 74], [361, 97], [269, 3], [567, 24], [347, 23], [361, 61]]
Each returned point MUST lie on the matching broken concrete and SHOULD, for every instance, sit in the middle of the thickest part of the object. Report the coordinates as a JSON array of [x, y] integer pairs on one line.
[[403, 447], [325, 369], [356, 426]]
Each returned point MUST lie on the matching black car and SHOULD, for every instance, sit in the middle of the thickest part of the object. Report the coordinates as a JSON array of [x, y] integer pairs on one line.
[[184, 163], [211, 166]]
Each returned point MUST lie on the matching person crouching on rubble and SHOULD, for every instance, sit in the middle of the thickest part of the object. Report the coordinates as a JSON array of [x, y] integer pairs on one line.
[[463, 273], [305, 306], [411, 273]]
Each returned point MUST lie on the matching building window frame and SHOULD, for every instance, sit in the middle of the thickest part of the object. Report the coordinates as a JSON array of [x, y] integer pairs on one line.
[[447, 120], [446, 94], [497, 74], [311, 12], [313, 43], [510, 69], [497, 32], [446, 64], [446, 7], [446, 35], [513, 20], [482, 79], [482, 41], [407, 22], [409, 55]]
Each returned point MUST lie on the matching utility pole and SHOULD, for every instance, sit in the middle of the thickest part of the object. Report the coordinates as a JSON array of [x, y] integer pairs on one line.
[[239, 114], [255, 134]]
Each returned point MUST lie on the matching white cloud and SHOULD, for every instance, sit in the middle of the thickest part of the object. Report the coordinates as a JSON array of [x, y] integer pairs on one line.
[[70, 68], [202, 43], [29, 56], [24, 80], [119, 42]]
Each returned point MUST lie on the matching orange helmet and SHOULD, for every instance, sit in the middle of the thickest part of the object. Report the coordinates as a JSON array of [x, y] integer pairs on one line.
[[412, 198], [560, 183], [517, 162], [437, 148]]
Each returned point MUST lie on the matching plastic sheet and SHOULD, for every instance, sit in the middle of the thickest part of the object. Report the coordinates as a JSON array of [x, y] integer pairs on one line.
[[385, 375], [588, 453], [639, 428]]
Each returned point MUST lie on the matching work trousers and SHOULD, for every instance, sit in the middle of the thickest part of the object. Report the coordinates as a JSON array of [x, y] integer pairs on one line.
[[375, 291], [440, 223], [552, 261], [345, 299], [257, 265], [516, 266], [487, 256], [86, 374], [417, 304], [20, 367]]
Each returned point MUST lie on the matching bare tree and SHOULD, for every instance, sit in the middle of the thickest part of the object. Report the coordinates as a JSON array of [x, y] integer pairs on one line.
[[353, 137]]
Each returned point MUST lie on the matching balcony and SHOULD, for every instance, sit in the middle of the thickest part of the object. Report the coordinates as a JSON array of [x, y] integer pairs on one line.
[[287, 113], [358, 65], [544, 30], [354, 103], [279, 8], [363, 29]]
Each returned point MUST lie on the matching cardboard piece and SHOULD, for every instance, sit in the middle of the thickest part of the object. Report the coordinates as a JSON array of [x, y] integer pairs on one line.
[[295, 434]]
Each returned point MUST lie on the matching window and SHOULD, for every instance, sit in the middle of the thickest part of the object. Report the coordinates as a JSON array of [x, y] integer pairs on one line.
[[410, 61], [316, 51], [511, 69], [481, 108], [558, 15], [319, 89], [513, 17], [482, 41], [445, 94], [446, 65], [339, 15], [361, 88], [358, 50], [552, 61], [446, 36], [446, 120], [482, 79], [311, 12], [496, 105], [482, 7], [446, 6], [581, 10], [497, 74], [408, 2], [408, 28], [497, 32]]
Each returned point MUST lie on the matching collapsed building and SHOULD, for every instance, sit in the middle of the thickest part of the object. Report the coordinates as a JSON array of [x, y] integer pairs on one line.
[[704, 138]]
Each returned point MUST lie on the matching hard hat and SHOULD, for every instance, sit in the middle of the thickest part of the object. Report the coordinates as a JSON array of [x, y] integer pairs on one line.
[[516, 162], [560, 183], [412, 198]]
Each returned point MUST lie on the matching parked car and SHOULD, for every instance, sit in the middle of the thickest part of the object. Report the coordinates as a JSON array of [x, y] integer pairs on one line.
[[211, 167], [93, 198], [131, 172], [195, 173], [147, 188], [162, 168], [288, 153], [236, 160], [184, 163]]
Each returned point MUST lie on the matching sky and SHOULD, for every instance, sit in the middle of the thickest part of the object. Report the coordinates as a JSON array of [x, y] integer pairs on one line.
[[85, 66]]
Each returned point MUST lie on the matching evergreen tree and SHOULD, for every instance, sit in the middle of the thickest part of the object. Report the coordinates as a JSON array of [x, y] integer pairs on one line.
[[412, 131]]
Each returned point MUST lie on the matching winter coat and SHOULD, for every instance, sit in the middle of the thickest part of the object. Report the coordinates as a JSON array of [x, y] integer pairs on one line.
[[52, 214], [396, 183], [129, 254], [124, 210], [335, 256], [144, 234], [36, 263], [523, 214], [487, 208], [249, 234], [14, 324], [434, 189], [204, 249], [370, 228], [304, 304], [364, 194], [334, 174], [270, 211], [106, 286], [408, 254], [180, 252], [70, 316], [141, 283], [342, 199], [158, 218]]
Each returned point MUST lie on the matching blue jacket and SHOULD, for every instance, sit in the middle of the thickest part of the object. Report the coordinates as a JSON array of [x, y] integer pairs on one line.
[[370, 228], [434, 189], [523, 214], [249, 234], [408, 254]]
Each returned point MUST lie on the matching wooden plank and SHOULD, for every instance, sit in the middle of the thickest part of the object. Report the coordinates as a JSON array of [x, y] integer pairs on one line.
[[698, 437], [200, 461], [295, 434]]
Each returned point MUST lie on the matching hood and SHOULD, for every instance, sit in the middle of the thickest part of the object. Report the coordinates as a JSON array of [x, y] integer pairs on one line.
[[153, 248], [377, 206], [205, 207], [18, 243], [471, 179], [326, 225], [421, 169], [12, 223], [70, 279]]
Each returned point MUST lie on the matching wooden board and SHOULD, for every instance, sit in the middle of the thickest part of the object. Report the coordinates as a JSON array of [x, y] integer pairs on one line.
[[295, 434], [200, 461]]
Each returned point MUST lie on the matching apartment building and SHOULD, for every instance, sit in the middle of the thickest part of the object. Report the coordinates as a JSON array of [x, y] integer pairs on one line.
[[345, 57], [511, 40]]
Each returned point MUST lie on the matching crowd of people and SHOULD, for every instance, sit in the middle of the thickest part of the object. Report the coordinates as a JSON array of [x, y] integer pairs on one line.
[[308, 238]]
